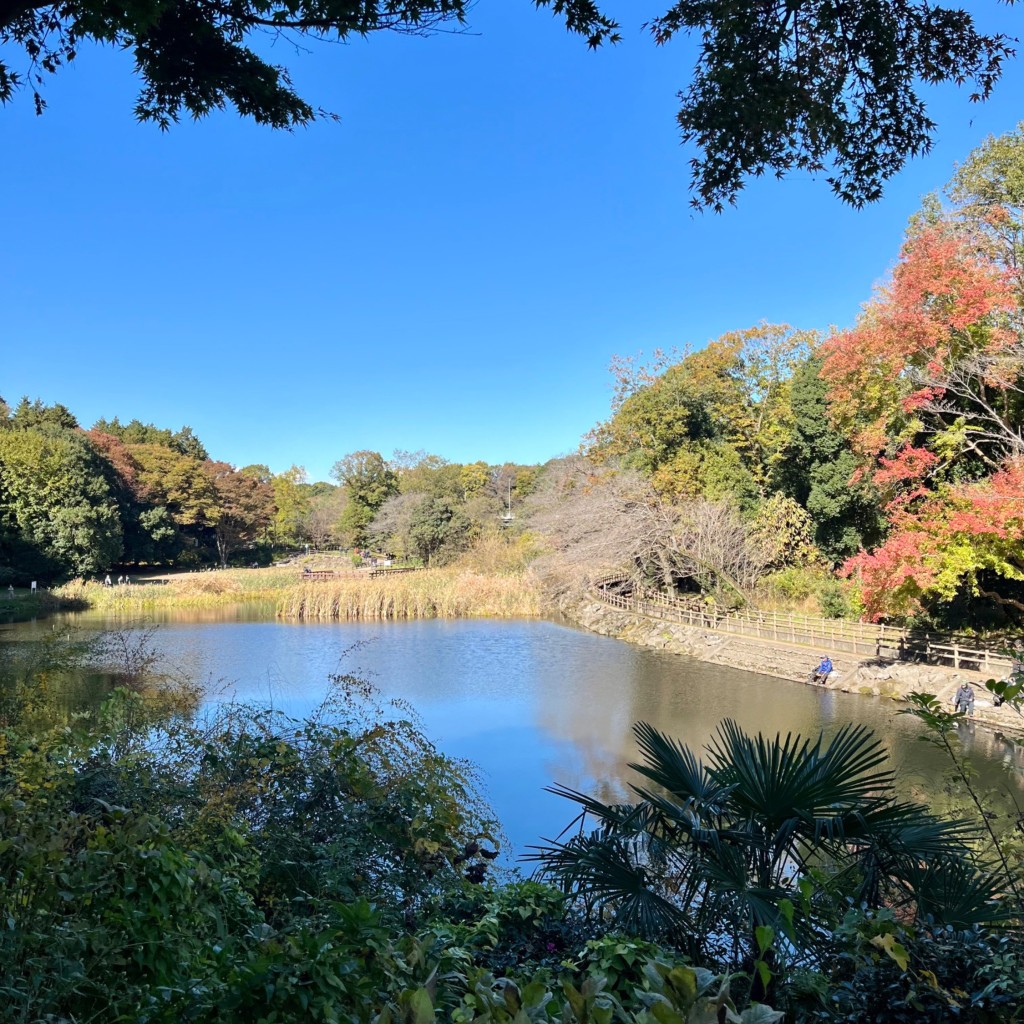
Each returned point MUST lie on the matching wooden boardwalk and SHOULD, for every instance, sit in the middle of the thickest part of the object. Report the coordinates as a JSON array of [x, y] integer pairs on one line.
[[862, 639]]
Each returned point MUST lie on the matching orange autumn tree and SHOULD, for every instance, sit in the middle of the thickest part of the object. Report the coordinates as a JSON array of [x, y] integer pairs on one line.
[[928, 385], [936, 358], [942, 542]]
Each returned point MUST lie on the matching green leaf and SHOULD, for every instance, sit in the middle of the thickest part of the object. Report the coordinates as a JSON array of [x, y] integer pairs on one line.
[[764, 972], [893, 949], [421, 1009]]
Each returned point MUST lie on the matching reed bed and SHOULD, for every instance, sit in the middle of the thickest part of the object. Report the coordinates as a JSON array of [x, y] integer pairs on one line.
[[187, 591], [432, 593]]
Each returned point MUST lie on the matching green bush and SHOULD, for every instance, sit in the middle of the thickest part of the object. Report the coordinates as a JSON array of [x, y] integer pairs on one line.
[[888, 972], [796, 583], [834, 601]]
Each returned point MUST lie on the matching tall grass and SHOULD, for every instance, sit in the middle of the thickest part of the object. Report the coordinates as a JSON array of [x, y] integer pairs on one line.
[[189, 590], [433, 593], [453, 592]]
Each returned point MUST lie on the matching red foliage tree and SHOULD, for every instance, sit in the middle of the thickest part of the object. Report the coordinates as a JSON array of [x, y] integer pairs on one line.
[[927, 353], [944, 541]]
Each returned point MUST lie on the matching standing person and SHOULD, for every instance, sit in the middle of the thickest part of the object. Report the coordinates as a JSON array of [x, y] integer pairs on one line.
[[963, 701], [106, 581]]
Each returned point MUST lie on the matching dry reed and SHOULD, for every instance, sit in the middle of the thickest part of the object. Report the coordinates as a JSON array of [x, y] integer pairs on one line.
[[431, 593]]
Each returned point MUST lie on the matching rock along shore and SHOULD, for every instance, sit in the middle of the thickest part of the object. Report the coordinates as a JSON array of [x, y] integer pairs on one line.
[[876, 677]]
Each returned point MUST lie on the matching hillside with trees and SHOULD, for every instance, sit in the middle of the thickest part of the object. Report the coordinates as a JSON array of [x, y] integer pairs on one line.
[[875, 471], [76, 502]]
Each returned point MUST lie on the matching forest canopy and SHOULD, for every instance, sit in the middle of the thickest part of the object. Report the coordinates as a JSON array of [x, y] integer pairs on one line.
[[813, 85]]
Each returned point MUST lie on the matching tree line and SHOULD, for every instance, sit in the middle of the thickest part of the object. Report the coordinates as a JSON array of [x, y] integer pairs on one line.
[[76, 502], [877, 469]]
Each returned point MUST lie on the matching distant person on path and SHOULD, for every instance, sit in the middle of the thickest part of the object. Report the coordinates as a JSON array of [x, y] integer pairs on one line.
[[823, 671], [10, 590], [106, 581], [963, 701]]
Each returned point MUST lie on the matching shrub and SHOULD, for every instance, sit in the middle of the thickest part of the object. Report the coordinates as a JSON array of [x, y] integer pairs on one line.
[[888, 972]]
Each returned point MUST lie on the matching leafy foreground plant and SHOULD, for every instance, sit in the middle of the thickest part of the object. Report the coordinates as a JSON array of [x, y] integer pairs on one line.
[[750, 861], [169, 871], [254, 869]]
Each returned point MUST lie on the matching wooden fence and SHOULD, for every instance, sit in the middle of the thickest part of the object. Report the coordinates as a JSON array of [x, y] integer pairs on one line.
[[354, 574], [861, 639]]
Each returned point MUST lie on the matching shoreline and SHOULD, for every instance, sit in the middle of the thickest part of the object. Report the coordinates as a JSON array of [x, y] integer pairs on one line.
[[461, 593], [782, 660]]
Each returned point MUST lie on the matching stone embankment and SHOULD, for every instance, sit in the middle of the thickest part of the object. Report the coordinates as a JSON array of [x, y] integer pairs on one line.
[[793, 661]]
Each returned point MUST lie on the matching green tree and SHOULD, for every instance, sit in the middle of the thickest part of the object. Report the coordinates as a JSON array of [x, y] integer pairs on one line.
[[178, 483], [183, 441], [320, 524], [818, 471], [28, 414], [473, 477], [291, 500], [437, 528], [715, 423], [988, 195], [368, 482], [55, 500]]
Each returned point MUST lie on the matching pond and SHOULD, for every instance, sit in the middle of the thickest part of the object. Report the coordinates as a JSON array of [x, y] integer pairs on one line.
[[534, 702]]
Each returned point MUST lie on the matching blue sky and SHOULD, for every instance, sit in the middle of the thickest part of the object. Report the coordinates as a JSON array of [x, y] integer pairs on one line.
[[451, 267]]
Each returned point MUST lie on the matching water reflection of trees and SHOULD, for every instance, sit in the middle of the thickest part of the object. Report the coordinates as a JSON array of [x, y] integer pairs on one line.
[[689, 699]]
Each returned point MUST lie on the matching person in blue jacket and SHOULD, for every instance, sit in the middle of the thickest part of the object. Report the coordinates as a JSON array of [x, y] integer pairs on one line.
[[823, 671]]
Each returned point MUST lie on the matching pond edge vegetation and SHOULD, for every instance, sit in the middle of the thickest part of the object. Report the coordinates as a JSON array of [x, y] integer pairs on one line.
[[247, 867]]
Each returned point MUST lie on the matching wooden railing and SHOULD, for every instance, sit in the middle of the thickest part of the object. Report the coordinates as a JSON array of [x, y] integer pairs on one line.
[[355, 574], [832, 636]]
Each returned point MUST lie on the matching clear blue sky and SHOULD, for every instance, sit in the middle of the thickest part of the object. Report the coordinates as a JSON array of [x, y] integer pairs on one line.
[[450, 268]]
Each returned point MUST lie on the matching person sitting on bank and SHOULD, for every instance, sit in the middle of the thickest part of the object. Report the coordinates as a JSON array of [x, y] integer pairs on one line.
[[823, 671], [963, 701]]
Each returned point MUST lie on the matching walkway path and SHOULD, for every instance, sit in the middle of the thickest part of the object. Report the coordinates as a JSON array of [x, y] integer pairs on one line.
[[717, 640]]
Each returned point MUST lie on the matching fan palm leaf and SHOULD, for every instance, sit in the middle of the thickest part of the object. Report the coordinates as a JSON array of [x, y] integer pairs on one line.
[[714, 848]]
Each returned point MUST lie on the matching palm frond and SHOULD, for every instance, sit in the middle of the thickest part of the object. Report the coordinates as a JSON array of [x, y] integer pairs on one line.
[[951, 892], [677, 770], [792, 778], [606, 873]]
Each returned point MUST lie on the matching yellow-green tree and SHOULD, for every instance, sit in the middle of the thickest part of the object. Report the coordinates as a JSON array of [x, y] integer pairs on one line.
[[715, 423], [291, 498]]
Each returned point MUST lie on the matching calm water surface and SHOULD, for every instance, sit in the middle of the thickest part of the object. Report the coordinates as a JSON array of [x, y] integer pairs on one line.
[[534, 702]]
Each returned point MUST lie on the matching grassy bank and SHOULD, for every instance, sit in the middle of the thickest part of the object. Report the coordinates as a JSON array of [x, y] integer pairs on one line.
[[432, 593], [23, 604]]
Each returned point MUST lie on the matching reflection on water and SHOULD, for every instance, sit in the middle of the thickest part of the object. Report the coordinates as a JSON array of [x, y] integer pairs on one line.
[[534, 702]]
